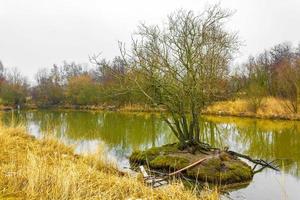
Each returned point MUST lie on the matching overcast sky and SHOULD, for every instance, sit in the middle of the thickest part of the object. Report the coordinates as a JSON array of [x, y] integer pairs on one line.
[[38, 33]]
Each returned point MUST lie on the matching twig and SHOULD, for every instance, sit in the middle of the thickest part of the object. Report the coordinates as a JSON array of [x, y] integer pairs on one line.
[[256, 161], [189, 166]]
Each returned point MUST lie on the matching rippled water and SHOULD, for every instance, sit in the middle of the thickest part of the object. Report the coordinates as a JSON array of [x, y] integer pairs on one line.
[[121, 133]]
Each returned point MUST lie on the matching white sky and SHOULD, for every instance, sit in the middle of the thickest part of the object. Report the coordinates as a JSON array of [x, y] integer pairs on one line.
[[38, 33]]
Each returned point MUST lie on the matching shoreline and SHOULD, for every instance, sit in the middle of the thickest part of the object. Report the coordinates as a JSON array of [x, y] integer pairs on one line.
[[248, 116], [34, 168], [238, 108], [253, 116]]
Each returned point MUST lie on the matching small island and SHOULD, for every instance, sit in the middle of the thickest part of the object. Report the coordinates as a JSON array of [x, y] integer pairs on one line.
[[219, 167]]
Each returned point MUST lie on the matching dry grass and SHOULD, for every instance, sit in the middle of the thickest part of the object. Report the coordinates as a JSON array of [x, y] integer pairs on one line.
[[2, 107], [270, 108], [108, 107], [46, 169], [140, 108]]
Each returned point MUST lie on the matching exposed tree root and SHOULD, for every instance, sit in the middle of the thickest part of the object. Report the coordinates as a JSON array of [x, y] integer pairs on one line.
[[257, 162], [204, 148]]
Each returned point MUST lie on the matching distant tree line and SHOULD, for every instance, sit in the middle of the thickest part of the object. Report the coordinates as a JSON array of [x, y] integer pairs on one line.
[[275, 72], [14, 88], [70, 83]]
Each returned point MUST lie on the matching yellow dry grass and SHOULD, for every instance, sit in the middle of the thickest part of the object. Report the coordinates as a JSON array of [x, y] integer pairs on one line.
[[2, 107], [47, 169], [270, 108], [140, 108]]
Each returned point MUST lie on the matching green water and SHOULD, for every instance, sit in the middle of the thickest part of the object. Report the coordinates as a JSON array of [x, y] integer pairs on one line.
[[121, 133]]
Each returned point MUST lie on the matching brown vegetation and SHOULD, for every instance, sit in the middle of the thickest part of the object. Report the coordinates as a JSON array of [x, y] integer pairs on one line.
[[35, 169], [272, 108]]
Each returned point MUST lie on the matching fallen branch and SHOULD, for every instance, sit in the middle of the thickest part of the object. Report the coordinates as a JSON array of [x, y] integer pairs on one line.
[[189, 166], [261, 162]]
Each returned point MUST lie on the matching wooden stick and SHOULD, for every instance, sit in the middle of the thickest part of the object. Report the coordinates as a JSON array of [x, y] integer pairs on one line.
[[145, 174], [189, 166]]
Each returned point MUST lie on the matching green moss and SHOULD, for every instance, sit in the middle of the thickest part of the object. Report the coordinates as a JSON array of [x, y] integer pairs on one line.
[[142, 157], [169, 162], [214, 170], [209, 171], [236, 171], [225, 156]]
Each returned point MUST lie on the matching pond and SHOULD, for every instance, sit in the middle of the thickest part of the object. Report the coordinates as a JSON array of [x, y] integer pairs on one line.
[[121, 133]]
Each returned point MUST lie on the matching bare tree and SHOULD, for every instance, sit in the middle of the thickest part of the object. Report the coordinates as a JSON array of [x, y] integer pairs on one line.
[[14, 87], [257, 81], [183, 66], [288, 86]]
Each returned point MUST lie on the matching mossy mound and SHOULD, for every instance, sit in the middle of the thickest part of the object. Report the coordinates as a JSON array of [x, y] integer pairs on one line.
[[169, 162], [144, 157], [220, 167]]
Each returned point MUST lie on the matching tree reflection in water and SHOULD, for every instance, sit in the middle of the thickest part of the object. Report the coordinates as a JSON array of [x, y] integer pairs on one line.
[[265, 139], [124, 132]]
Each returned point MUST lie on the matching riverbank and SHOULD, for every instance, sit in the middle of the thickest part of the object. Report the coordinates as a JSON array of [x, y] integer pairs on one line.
[[104, 107], [34, 169], [270, 108]]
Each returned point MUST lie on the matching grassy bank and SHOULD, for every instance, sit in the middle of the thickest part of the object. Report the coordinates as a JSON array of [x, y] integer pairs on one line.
[[47, 169], [104, 107], [270, 108], [122, 108]]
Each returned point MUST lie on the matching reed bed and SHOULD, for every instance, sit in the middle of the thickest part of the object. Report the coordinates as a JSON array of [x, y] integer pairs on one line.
[[47, 169], [270, 108]]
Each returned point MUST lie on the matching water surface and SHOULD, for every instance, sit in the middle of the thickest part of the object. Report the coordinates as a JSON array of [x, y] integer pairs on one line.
[[121, 133]]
